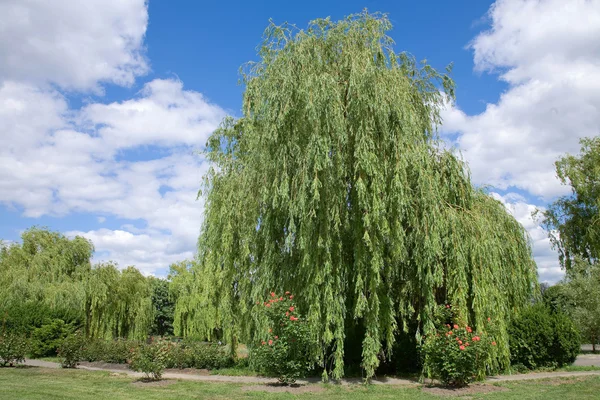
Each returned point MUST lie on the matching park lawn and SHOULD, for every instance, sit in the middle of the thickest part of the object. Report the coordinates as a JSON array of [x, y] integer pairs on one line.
[[41, 383]]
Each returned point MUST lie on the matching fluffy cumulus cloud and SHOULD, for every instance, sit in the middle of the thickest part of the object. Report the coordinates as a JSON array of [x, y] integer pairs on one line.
[[545, 257], [73, 44], [548, 52], [132, 160], [56, 161]]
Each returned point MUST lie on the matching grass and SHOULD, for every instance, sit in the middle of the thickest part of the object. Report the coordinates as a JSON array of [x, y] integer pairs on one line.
[[41, 383]]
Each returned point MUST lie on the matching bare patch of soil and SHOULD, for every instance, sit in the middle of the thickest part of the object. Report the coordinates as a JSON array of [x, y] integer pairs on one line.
[[476, 388], [278, 388], [151, 383]]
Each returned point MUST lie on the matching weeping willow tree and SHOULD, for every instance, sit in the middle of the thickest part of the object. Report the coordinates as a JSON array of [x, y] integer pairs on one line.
[[118, 303], [334, 185], [48, 271]]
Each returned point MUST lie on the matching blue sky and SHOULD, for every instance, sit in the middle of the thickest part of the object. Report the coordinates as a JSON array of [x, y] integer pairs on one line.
[[104, 104]]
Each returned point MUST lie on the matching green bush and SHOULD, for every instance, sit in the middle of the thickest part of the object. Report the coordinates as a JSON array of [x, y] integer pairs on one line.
[[70, 350], [540, 338], [12, 349], [111, 351], [456, 354], [283, 350], [150, 358], [46, 339], [190, 354]]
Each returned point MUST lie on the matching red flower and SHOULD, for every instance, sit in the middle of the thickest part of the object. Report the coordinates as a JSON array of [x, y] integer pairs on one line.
[[281, 298], [489, 319], [287, 292], [272, 294], [276, 337], [291, 297], [455, 326], [287, 313], [447, 305], [263, 343], [292, 308], [268, 305], [292, 318], [466, 344], [460, 342], [448, 326], [476, 338], [493, 343], [462, 347], [270, 342], [469, 329]]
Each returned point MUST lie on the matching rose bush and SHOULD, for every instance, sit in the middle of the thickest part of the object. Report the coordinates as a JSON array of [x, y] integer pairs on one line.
[[457, 354], [150, 358], [12, 349], [283, 349]]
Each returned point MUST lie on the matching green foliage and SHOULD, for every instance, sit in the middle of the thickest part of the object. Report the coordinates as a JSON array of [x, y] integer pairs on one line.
[[116, 351], [201, 355], [13, 348], [46, 339], [283, 350], [150, 358], [540, 338], [581, 288], [49, 276], [71, 350], [163, 306], [458, 354], [573, 222], [334, 185], [119, 303]]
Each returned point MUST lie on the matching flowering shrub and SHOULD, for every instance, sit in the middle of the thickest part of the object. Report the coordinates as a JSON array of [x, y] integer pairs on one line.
[[111, 351], [283, 350], [70, 350], [456, 354], [150, 358], [12, 349]]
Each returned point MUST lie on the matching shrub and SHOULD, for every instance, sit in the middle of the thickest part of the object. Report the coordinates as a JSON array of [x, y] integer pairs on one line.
[[150, 358], [456, 354], [115, 351], [12, 349], [46, 339], [70, 350], [540, 338], [202, 355], [283, 350]]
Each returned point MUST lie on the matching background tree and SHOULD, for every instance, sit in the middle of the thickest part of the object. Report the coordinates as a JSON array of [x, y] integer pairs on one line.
[[573, 222], [163, 306], [333, 185]]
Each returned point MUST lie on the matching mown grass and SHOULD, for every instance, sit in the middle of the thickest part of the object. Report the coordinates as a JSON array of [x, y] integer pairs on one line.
[[41, 383]]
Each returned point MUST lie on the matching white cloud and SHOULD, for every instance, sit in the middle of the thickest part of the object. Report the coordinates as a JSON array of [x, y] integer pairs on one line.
[[73, 44], [54, 162], [546, 258], [548, 52]]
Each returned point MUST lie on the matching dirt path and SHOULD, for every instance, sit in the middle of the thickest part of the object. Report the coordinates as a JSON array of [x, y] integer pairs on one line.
[[260, 380]]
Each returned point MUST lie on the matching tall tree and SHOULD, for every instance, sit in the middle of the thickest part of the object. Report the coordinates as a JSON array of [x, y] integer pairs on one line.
[[334, 185], [573, 221]]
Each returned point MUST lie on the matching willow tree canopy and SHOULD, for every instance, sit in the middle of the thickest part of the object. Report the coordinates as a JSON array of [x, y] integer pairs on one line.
[[334, 185]]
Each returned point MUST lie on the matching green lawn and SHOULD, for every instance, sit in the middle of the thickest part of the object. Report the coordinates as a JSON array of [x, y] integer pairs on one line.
[[40, 383]]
